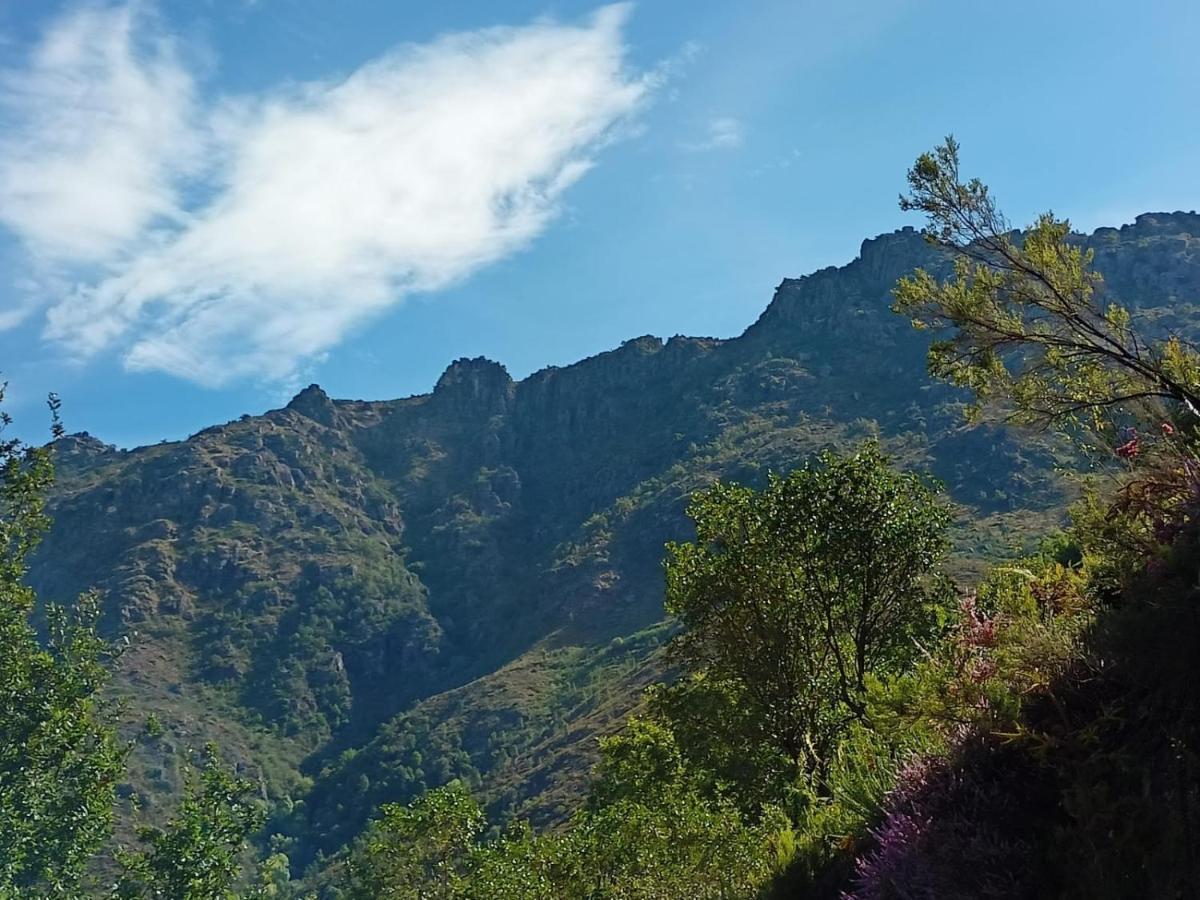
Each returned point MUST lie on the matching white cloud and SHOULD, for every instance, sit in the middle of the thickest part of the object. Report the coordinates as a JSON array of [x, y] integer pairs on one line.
[[324, 203], [721, 133], [94, 131]]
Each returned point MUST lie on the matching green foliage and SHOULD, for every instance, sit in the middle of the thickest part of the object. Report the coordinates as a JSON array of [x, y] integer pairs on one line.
[[796, 594], [364, 592], [665, 842], [274, 878], [1063, 751], [296, 665], [715, 728], [59, 756], [1063, 737], [685, 846], [641, 763], [1032, 329], [154, 727], [417, 851], [1007, 645], [197, 855], [1127, 743]]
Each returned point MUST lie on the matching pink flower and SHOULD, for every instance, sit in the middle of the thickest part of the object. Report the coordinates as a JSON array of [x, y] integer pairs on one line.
[[1167, 429], [978, 630], [1130, 449], [981, 670]]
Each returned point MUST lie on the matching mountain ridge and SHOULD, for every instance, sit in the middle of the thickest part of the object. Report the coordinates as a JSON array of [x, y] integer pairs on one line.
[[363, 599]]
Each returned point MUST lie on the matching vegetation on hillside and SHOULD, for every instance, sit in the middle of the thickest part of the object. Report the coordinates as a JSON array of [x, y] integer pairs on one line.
[[60, 757], [827, 713], [1035, 737]]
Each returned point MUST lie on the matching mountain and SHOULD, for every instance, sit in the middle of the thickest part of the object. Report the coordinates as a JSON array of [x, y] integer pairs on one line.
[[364, 599]]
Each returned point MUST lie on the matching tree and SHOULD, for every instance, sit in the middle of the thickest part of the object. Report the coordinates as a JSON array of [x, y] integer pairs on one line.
[[652, 828], [646, 833], [419, 850], [717, 733], [60, 759], [797, 593], [1030, 330], [197, 856], [683, 844], [642, 763]]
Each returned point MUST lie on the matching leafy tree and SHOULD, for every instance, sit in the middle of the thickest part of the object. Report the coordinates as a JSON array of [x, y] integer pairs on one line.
[[60, 759], [796, 594], [641, 763], [716, 732], [1031, 326], [519, 863], [419, 850], [684, 845], [1033, 331], [197, 856], [652, 828], [647, 833], [274, 878]]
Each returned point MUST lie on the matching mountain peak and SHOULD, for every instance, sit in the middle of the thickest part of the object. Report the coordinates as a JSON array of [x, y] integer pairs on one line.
[[840, 301], [886, 254], [81, 450], [477, 383], [314, 403], [1178, 221]]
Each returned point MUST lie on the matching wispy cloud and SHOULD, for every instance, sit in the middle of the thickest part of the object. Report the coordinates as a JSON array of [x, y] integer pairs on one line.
[[320, 204], [94, 131], [721, 133]]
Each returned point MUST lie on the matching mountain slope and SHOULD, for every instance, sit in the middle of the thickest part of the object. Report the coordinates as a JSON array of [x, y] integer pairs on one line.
[[364, 599]]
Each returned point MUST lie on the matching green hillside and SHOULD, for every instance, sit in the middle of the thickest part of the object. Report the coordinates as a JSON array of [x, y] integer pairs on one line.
[[362, 600]]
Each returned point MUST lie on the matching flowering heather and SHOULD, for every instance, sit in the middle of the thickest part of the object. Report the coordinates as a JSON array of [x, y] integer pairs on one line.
[[977, 628], [1167, 499], [1130, 449], [952, 830]]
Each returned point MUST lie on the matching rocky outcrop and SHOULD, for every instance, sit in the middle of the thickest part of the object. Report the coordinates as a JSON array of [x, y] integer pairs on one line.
[[474, 388], [1153, 263], [82, 451], [314, 403]]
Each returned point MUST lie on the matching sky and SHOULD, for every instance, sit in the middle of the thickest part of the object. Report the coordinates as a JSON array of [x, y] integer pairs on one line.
[[207, 204]]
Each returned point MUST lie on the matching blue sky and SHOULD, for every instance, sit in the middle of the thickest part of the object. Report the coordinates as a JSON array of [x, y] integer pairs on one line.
[[206, 205]]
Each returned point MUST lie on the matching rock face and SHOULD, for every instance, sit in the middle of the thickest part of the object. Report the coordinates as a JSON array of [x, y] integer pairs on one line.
[[339, 570], [1160, 251], [315, 404], [82, 451], [474, 388]]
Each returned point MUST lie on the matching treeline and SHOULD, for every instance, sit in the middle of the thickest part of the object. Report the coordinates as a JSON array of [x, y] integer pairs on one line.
[[846, 721]]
